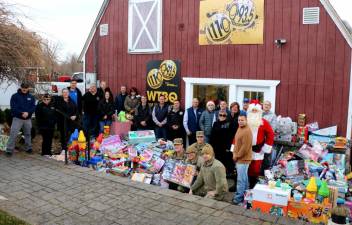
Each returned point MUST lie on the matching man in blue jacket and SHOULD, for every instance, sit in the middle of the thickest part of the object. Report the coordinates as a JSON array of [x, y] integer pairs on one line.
[[22, 107]]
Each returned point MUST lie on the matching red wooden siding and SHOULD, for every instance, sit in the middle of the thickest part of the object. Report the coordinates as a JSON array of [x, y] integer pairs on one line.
[[313, 66]]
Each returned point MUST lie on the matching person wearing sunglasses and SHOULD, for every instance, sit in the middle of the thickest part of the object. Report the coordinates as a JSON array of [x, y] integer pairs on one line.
[[45, 115], [221, 140]]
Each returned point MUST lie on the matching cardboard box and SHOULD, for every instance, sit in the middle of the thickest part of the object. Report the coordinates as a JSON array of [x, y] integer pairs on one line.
[[145, 136], [309, 212], [273, 201]]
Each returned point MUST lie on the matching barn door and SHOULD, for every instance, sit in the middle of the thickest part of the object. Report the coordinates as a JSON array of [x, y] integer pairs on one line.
[[144, 26]]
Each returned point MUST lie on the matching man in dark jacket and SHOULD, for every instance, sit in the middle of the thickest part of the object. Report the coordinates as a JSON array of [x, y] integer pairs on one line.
[[45, 115], [90, 109], [120, 100], [175, 122], [76, 96], [191, 121], [22, 107], [159, 116]]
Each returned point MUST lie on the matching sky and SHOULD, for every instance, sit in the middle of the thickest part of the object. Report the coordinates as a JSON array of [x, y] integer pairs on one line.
[[68, 22]]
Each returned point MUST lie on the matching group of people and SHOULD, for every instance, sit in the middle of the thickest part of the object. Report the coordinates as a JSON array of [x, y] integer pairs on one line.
[[217, 136]]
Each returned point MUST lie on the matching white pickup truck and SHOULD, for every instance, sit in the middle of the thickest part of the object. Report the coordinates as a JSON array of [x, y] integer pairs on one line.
[[55, 88]]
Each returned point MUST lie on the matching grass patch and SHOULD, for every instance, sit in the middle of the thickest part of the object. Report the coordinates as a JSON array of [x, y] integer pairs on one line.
[[7, 219]]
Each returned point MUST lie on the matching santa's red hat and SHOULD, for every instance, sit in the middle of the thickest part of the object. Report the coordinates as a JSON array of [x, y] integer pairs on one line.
[[255, 104]]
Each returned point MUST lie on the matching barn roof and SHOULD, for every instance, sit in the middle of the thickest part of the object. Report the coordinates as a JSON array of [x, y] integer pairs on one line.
[[326, 3]]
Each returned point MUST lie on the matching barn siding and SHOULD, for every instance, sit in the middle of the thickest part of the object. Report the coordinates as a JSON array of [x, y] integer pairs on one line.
[[313, 66]]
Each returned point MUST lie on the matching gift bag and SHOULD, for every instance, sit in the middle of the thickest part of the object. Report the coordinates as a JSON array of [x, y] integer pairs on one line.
[[120, 128], [3, 142]]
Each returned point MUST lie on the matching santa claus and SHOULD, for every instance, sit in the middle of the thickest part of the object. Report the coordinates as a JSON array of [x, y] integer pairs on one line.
[[263, 140]]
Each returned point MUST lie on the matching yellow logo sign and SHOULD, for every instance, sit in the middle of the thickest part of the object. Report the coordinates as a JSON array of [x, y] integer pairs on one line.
[[168, 69], [154, 79]]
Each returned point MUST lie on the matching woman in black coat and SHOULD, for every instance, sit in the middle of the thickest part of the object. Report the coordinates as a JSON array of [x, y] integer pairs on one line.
[[234, 114], [66, 117], [45, 115], [142, 118], [221, 140], [106, 111]]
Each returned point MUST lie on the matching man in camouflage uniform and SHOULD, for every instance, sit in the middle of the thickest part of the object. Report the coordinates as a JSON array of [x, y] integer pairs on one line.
[[211, 181], [198, 146]]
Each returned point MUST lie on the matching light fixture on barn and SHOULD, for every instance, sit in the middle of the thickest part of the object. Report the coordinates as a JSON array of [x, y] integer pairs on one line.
[[280, 42]]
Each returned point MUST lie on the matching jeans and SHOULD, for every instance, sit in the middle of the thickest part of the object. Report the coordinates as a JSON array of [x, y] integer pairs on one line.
[[90, 124], [161, 132], [242, 182], [104, 123], [16, 126]]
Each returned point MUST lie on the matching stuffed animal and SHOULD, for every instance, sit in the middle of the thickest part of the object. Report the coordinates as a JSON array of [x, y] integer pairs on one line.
[[121, 117], [285, 129]]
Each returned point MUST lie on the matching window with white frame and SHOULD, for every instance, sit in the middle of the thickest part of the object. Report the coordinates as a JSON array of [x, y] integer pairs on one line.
[[144, 26]]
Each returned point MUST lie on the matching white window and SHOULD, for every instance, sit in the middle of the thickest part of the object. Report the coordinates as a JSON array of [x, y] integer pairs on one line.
[[144, 26]]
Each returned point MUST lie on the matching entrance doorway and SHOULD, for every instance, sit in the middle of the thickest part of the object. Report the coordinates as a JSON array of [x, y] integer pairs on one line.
[[230, 90], [206, 93]]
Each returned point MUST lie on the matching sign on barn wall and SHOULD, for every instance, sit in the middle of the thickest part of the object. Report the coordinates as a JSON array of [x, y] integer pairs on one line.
[[163, 78], [231, 22]]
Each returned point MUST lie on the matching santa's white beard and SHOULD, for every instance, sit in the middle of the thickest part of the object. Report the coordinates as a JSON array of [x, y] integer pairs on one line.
[[254, 119]]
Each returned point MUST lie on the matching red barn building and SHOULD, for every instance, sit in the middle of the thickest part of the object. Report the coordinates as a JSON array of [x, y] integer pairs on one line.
[[310, 73]]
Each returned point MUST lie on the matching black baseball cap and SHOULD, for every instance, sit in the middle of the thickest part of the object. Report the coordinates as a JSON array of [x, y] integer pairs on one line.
[[25, 84]]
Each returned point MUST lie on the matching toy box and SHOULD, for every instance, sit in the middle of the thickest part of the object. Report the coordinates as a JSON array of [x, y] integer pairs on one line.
[[270, 200], [309, 212], [145, 136], [3, 142]]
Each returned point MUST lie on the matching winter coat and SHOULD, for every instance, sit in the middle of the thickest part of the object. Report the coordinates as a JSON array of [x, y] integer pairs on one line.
[[79, 100], [206, 122], [68, 108], [221, 138], [212, 177], [20, 103], [90, 103], [106, 109], [271, 118], [45, 116], [143, 114], [175, 118], [131, 103], [120, 102]]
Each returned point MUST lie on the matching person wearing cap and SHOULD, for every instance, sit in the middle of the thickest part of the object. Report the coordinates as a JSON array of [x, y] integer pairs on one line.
[[242, 155], [22, 107], [191, 121], [211, 181], [45, 115], [179, 153], [198, 146], [206, 120], [194, 158], [246, 103]]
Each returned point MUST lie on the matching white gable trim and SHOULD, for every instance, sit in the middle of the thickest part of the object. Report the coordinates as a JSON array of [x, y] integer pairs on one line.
[[337, 20], [94, 28]]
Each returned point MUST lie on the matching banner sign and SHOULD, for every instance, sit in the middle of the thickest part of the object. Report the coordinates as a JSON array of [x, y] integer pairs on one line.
[[163, 78], [231, 22]]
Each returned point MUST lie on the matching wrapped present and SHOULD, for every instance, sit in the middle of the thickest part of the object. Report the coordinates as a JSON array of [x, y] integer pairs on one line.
[[270, 200], [141, 136], [309, 212], [120, 128], [3, 142]]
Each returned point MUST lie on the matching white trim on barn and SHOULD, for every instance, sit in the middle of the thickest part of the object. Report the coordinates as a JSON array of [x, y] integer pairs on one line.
[[234, 86], [349, 113]]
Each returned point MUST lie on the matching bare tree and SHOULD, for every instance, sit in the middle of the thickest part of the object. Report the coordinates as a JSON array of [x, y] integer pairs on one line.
[[70, 65], [51, 52], [19, 47]]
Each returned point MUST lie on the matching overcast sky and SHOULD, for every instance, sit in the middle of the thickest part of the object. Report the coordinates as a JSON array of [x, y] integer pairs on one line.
[[69, 21]]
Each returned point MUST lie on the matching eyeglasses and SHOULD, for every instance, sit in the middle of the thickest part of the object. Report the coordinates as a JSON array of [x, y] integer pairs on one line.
[[200, 136], [46, 99], [222, 115]]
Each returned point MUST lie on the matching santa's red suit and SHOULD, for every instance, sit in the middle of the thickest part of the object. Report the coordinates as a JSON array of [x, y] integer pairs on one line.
[[263, 140]]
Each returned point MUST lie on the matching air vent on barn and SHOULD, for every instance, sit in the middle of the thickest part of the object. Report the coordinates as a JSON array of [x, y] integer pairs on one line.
[[311, 15]]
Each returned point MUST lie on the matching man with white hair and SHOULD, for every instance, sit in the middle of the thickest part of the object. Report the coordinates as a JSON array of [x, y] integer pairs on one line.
[[262, 142], [269, 115]]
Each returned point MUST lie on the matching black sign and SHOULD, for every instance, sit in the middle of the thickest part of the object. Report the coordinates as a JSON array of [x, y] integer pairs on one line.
[[163, 78]]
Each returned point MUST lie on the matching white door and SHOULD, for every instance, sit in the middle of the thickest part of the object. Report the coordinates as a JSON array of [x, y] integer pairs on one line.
[[253, 92]]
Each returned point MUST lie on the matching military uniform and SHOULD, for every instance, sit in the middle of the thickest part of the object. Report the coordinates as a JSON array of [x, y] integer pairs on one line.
[[212, 177]]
